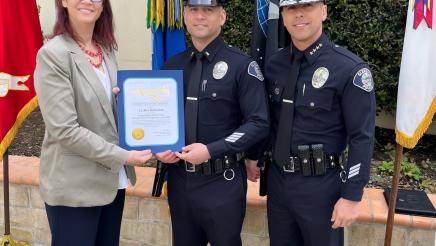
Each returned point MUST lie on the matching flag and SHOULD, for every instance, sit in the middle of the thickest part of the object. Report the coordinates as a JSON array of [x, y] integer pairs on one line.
[[268, 33], [416, 103], [166, 43], [165, 19], [20, 39], [259, 32]]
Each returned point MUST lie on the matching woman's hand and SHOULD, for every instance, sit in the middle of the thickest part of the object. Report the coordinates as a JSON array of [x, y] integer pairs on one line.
[[138, 158]]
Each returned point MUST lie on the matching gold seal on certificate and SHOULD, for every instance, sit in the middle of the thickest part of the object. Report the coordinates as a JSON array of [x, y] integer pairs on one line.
[[138, 133]]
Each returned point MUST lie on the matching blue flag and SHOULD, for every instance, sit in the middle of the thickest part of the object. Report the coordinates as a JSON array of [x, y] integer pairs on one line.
[[168, 38], [268, 33], [166, 43]]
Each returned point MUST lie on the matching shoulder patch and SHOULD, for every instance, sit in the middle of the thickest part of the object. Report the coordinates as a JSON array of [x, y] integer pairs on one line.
[[363, 80], [254, 70]]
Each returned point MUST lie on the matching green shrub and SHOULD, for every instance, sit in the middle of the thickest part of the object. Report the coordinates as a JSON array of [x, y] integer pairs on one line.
[[375, 31], [411, 171], [408, 170], [237, 30], [370, 28], [386, 168]]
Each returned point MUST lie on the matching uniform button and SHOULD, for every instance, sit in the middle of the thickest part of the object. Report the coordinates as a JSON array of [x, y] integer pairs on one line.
[[312, 104], [214, 94]]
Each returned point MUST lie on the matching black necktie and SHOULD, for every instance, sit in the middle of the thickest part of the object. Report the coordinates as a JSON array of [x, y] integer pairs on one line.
[[191, 106], [282, 148]]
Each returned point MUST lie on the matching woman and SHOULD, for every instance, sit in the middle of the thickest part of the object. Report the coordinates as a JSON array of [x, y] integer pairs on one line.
[[83, 173]]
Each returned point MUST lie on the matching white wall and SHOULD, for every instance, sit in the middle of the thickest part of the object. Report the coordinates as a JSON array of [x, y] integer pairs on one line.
[[134, 40]]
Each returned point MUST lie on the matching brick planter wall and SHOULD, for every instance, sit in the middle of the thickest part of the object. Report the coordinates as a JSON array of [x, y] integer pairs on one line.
[[146, 220]]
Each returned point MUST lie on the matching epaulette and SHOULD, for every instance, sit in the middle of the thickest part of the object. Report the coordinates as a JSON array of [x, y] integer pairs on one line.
[[350, 55], [236, 50]]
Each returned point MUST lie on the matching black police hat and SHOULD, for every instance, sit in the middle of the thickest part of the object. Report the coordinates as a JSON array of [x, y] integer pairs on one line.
[[206, 2]]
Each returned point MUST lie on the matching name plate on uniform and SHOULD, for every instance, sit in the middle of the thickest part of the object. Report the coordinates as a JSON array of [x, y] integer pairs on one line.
[[150, 110]]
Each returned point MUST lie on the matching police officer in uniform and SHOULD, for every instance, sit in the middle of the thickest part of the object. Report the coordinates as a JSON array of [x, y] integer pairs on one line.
[[322, 101], [225, 114]]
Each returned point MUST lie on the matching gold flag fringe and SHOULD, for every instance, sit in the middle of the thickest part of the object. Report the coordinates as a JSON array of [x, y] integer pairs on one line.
[[22, 115], [411, 141], [160, 13], [156, 14]]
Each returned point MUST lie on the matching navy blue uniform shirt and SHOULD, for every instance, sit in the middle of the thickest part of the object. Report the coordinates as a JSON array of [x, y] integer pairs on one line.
[[232, 110], [334, 106]]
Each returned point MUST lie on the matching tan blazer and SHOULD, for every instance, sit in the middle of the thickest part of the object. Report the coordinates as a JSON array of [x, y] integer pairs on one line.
[[80, 157]]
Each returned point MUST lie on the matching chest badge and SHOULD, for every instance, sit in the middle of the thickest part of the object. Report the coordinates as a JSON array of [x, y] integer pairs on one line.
[[319, 77], [220, 70]]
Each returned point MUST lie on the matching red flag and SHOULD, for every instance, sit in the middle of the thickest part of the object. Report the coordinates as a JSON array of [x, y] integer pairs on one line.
[[20, 39], [423, 11]]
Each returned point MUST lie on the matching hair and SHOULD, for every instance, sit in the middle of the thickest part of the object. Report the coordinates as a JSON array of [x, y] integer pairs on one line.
[[103, 33]]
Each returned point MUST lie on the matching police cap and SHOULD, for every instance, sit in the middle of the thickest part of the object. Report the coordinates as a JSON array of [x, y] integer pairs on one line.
[[206, 2], [297, 2]]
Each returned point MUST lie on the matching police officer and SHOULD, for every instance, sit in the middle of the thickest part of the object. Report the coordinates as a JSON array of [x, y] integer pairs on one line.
[[225, 114], [322, 99]]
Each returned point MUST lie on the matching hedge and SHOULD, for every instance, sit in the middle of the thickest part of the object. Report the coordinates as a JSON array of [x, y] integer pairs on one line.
[[373, 29]]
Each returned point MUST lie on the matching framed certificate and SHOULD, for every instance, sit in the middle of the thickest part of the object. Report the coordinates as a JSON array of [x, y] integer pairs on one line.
[[150, 110]]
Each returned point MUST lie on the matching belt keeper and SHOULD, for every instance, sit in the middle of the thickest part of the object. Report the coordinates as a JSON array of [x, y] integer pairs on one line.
[[207, 168], [218, 166]]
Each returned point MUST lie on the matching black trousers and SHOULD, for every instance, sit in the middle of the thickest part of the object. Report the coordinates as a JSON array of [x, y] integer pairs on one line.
[[300, 208], [206, 208], [86, 226]]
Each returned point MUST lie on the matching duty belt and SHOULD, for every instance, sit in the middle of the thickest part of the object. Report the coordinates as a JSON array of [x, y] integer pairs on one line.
[[212, 166], [295, 163]]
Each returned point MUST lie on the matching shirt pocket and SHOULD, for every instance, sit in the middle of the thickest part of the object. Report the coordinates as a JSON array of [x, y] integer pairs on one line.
[[216, 104], [316, 99]]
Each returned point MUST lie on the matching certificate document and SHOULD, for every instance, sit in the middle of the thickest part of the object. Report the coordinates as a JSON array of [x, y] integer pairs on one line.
[[150, 110]]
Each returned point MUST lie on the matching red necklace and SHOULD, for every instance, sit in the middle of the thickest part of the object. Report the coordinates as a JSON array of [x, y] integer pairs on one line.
[[98, 54]]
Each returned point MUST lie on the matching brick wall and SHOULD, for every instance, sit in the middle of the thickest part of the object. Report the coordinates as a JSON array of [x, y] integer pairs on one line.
[[146, 220]]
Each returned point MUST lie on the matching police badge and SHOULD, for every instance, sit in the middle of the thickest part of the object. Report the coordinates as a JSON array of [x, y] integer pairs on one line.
[[220, 70], [319, 77]]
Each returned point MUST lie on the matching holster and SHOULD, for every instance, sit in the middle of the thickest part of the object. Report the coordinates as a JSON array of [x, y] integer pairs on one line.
[[159, 179], [264, 163]]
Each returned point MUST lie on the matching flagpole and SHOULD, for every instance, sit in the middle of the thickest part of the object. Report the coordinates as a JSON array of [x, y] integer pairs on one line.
[[393, 197], [6, 191], [7, 237]]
